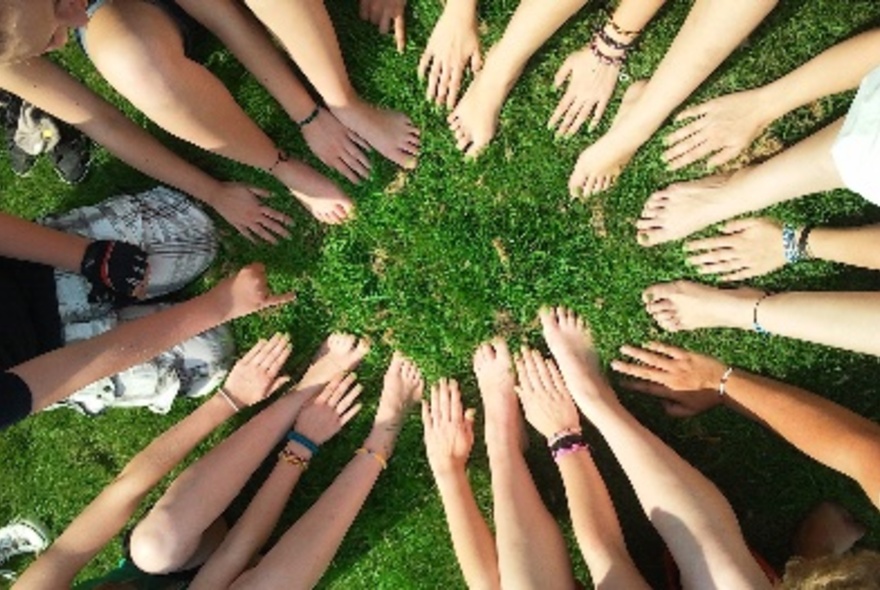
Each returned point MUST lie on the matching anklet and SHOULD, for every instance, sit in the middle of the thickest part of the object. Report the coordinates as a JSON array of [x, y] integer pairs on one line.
[[305, 441], [312, 116], [225, 395], [379, 457], [722, 385], [282, 157], [755, 324], [569, 450], [292, 458]]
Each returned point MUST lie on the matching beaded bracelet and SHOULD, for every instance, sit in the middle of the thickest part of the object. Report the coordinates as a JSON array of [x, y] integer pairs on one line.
[[291, 458], [602, 35], [562, 434], [282, 157], [557, 455], [312, 116], [756, 325], [722, 385], [379, 457], [620, 31], [605, 59], [566, 441], [790, 244]]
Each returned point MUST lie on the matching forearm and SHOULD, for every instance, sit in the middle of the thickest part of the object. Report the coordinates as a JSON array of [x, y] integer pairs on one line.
[[596, 525], [111, 510], [634, 15], [823, 430], [55, 375], [856, 246], [837, 69], [251, 531], [25, 240], [690, 513], [473, 542]]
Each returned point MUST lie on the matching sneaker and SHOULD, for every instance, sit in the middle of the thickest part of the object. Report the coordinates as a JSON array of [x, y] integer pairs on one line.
[[72, 155], [22, 536], [20, 161]]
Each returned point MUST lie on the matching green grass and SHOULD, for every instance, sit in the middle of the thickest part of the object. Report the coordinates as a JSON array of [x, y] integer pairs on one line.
[[467, 250]]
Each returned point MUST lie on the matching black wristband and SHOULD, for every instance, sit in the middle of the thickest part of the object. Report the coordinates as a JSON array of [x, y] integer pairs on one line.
[[114, 269], [567, 441]]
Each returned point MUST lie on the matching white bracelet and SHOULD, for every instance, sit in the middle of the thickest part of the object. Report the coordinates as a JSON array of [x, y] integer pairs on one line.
[[722, 385], [225, 395]]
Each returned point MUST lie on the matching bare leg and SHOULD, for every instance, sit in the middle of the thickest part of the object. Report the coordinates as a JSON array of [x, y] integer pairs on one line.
[[690, 513], [474, 120], [302, 555], [173, 535], [712, 30], [305, 30], [531, 550], [682, 209], [138, 49], [845, 320]]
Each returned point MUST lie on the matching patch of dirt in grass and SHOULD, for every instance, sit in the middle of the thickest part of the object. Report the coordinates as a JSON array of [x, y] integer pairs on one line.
[[380, 259], [505, 325], [398, 184], [597, 219]]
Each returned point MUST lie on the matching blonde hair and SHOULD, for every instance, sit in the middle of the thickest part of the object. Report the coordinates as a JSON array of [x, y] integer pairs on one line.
[[850, 571]]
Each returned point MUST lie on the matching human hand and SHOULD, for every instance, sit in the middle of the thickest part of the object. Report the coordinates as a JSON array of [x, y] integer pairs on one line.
[[325, 415], [244, 293], [686, 382], [591, 83], [449, 428], [454, 45], [747, 248], [337, 146], [721, 128], [385, 14], [255, 376], [240, 205], [545, 399]]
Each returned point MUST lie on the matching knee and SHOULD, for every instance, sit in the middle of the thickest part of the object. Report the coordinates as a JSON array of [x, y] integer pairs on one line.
[[156, 547]]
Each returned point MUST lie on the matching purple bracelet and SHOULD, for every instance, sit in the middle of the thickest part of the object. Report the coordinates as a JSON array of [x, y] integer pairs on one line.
[[557, 455]]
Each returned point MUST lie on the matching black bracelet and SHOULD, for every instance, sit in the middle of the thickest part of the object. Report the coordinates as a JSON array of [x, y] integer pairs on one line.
[[613, 43], [567, 441], [312, 116], [803, 246]]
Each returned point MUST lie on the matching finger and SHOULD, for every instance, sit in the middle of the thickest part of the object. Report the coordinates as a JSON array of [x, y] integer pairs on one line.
[[695, 112], [713, 257], [445, 396], [424, 62], [400, 32], [543, 373], [435, 402], [365, 9], [254, 351], [476, 61], [581, 119], [687, 151], [647, 357], [638, 371], [682, 133], [521, 375], [648, 387], [347, 383], [598, 112], [259, 192], [348, 399], [722, 267], [356, 167], [351, 413], [672, 352], [329, 389], [263, 233], [570, 116], [426, 415], [385, 22], [280, 299], [434, 80], [455, 405], [530, 369], [740, 225], [273, 226], [268, 353], [709, 244], [561, 109], [342, 166], [276, 215], [556, 377], [246, 232], [723, 157], [677, 410], [562, 73], [279, 383], [742, 274], [443, 86]]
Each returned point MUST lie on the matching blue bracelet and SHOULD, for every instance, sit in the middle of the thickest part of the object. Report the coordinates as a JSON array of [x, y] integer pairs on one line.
[[790, 244], [303, 440]]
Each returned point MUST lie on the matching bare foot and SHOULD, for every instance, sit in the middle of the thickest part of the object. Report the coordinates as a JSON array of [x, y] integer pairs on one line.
[[475, 119], [570, 341], [401, 390], [493, 367], [829, 529], [340, 353], [600, 164], [686, 207], [390, 133], [317, 193], [684, 305]]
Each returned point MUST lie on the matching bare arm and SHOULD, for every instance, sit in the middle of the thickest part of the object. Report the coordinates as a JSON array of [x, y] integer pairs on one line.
[[848, 245], [26, 240], [55, 375], [688, 384], [448, 440]]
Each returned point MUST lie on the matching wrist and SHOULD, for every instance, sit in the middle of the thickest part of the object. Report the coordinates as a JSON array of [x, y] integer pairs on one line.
[[299, 449], [770, 102], [447, 469], [464, 11]]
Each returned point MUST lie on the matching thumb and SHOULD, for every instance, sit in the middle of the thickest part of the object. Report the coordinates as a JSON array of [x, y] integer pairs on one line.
[[677, 410], [476, 61], [426, 415], [470, 414], [562, 73], [279, 382], [400, 33], [258, 191]]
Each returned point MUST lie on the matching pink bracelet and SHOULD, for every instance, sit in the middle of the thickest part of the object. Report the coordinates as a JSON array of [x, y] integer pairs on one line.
[[557, 455]]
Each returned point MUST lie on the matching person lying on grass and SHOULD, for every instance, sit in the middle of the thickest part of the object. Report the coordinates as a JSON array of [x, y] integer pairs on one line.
[[843, 154], [590, 74], [712, 30], [140, 48], [184, 536], [46, 379], [80, 274]]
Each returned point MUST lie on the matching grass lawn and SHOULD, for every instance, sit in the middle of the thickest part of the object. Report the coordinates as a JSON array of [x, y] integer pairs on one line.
[[455, 252]]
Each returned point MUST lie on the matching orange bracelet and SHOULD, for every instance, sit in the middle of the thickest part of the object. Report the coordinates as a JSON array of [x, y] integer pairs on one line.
[[379, 457]]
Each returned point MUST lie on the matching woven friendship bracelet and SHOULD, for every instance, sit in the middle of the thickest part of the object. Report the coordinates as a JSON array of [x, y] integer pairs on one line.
[[291, 458], [613, 43], [621, 31]]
